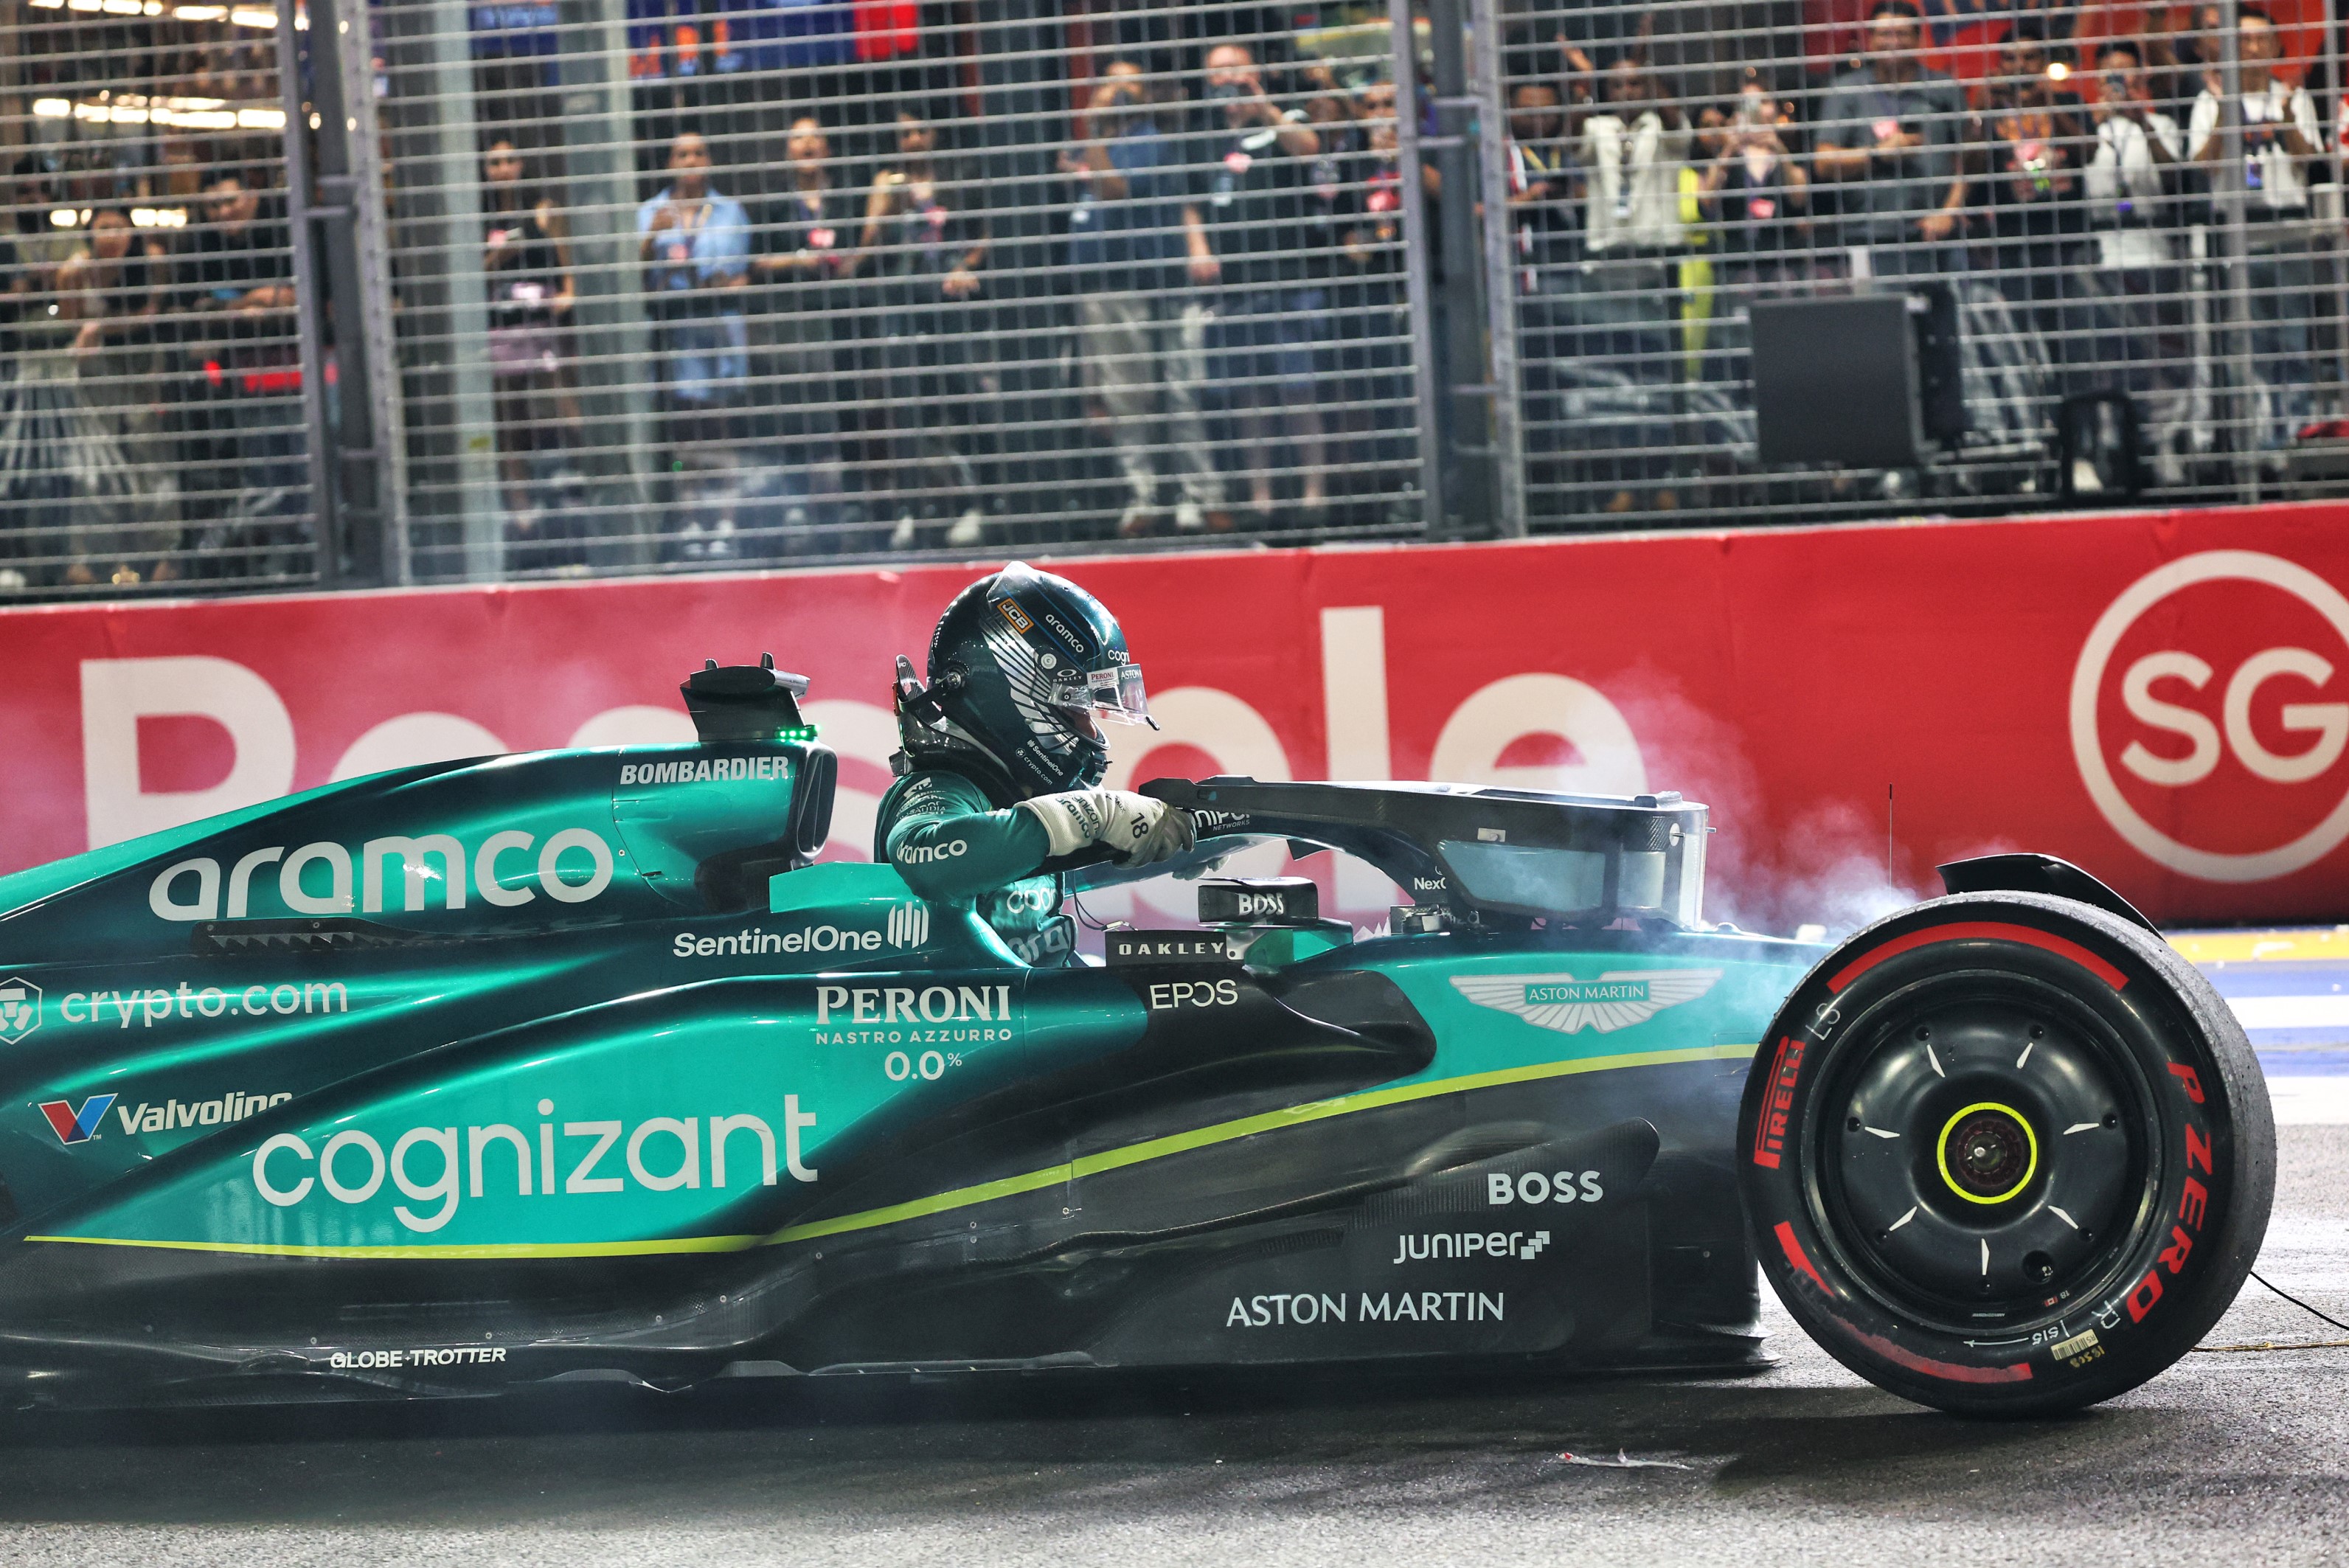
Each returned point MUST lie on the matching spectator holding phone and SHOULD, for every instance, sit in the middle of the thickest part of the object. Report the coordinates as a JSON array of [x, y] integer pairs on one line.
[[2280, 137], [1891, 134], [2136, 287], [2036, 146], [1373, 307], [526, 261], [1633, 146], [1259, 233], [2136, 145], [1144, 344], [805, 261], [1757, 190], [2279, 122], [929, 238], [695, 246], [244, 433], [1756, 193]]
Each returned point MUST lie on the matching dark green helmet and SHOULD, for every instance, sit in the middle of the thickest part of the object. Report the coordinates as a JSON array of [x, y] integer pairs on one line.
[[1023, 667]]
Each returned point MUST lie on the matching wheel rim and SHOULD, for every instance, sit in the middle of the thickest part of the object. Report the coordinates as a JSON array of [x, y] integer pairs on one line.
[[1983, 1151], [1987, 1152]]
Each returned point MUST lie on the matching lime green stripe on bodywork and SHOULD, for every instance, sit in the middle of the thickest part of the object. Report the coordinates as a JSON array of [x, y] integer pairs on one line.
[[438, 1254], [1246, 1126], [982, 1192]]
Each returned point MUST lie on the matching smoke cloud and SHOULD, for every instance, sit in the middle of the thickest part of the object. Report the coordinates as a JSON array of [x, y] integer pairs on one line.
[[1772, 867]]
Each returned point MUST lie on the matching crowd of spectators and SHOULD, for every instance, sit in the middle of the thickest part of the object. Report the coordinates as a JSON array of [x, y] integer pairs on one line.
[[1226, 276], [1227, 251], [1233, 283], [2060, 188], [150, 422]]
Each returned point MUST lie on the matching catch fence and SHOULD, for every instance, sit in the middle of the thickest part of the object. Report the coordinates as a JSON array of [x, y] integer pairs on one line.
[[154, 385], [558, 287]]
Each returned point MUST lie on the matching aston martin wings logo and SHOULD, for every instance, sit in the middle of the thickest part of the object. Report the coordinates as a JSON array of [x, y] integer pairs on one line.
[[1616, 999]]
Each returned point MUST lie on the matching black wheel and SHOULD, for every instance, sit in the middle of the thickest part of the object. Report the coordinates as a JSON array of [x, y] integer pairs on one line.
[[2006, 1154]]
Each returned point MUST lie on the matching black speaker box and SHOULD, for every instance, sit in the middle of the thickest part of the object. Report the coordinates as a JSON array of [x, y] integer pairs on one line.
[[1862, 380]]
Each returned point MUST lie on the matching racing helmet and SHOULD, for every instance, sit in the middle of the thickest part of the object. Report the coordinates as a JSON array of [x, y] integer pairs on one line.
[[1023, 666]]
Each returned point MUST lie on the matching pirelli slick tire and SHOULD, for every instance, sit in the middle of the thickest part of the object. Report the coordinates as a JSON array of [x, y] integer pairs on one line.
[[2006, 1154]]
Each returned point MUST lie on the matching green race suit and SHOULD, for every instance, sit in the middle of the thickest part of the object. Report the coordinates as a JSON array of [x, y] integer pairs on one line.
[[952, 846]]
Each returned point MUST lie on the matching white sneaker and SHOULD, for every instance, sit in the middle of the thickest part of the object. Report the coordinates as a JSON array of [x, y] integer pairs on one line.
[[968, 529], [902, 537], [1189, 518]]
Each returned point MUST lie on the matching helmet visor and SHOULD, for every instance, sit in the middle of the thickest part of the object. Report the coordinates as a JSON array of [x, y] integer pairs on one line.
[[1114, 694]]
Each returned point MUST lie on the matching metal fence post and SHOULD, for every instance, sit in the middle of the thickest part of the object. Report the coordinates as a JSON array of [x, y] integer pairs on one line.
[[371, 455], [614, 346], [309, 304], [2241, 369], [442, 290], [1466, 428], [2336, 263], [1507, 425], [469, 314], [1418, 292]]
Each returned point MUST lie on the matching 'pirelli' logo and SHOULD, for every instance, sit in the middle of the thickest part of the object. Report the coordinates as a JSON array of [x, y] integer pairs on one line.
[[1778, 1098]]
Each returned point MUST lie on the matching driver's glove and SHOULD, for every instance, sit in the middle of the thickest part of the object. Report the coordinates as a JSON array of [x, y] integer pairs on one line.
[[1141, 831]]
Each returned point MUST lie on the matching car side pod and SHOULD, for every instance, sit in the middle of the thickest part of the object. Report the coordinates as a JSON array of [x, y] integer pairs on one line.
[[2006, 1153]]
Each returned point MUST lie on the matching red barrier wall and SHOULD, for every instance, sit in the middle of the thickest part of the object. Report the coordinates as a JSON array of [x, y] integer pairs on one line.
[[2163, 698]]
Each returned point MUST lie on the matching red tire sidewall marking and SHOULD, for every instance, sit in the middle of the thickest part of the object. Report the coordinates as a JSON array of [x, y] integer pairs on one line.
[[2192, 1193], [1978, 930]]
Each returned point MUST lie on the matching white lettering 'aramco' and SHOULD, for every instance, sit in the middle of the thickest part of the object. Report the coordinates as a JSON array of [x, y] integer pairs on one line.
[[507, 869], [351, 1166]]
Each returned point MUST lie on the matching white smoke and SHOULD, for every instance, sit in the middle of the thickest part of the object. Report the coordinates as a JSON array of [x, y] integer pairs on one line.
[[1828, 870], [1772, 865]]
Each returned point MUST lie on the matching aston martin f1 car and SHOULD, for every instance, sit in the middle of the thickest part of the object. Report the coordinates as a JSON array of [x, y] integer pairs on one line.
[[580, 1066]]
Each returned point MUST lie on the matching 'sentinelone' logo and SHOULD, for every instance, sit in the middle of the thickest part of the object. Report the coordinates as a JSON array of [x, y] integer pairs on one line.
[[20, 1009], [1616, 999], [2180, 673], [73, 1127], [909, 925]]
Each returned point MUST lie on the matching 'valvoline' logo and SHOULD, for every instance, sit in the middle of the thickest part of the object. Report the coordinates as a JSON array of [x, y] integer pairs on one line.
[[71, 1125]]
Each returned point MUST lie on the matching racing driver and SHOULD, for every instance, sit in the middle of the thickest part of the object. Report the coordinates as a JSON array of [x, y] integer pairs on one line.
[[998, 786]]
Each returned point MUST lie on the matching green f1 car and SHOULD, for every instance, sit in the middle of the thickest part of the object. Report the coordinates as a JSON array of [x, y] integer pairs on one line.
[[575, 1066]]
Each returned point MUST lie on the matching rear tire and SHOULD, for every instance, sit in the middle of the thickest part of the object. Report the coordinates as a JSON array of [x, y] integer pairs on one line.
[[2006, 1154]]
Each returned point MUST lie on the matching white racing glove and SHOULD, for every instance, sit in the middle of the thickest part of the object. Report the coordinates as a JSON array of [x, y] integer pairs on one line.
[[1142, 830]]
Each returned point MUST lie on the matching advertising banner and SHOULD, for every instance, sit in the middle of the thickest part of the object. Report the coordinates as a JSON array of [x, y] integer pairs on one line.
[[2163, 698]]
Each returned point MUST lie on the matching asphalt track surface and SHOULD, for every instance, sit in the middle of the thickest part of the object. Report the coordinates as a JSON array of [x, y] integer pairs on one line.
[[2235, 1455]]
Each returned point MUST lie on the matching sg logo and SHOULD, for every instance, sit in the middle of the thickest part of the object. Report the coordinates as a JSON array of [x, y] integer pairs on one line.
[[2150, 690], [2327, 721]]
